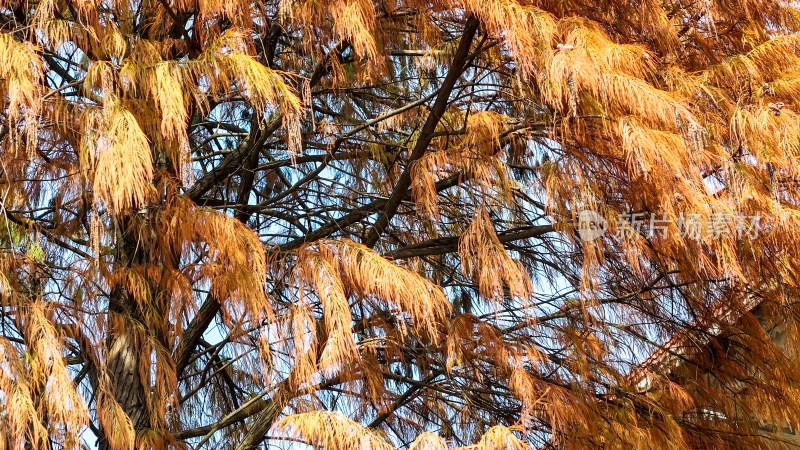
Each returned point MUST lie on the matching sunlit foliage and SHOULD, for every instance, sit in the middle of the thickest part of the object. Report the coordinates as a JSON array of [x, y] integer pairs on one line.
[[354, 224]]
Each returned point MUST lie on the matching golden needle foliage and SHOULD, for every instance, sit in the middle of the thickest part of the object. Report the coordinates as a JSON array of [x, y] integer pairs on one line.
[[357, 224], [486, 261]]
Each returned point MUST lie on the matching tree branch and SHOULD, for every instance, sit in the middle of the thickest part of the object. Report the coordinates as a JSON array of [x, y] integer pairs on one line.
[[426, 134], [450, 244]]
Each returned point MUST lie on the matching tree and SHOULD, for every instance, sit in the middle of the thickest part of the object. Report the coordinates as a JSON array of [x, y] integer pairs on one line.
[[359, 224]]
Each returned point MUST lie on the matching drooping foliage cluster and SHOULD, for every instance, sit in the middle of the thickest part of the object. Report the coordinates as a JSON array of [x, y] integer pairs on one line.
[[355, 224]]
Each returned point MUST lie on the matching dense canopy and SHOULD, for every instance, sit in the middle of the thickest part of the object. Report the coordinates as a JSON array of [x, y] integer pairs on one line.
[[398, 223]]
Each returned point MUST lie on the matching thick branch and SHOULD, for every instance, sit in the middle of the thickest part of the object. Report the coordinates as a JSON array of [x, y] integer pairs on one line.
[[233, 160], [355, 216], [426, 134], [194, 331], [450, 244]]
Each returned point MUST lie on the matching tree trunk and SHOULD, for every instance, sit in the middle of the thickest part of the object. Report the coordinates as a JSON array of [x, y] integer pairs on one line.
[[127, 386], [124, 352]]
